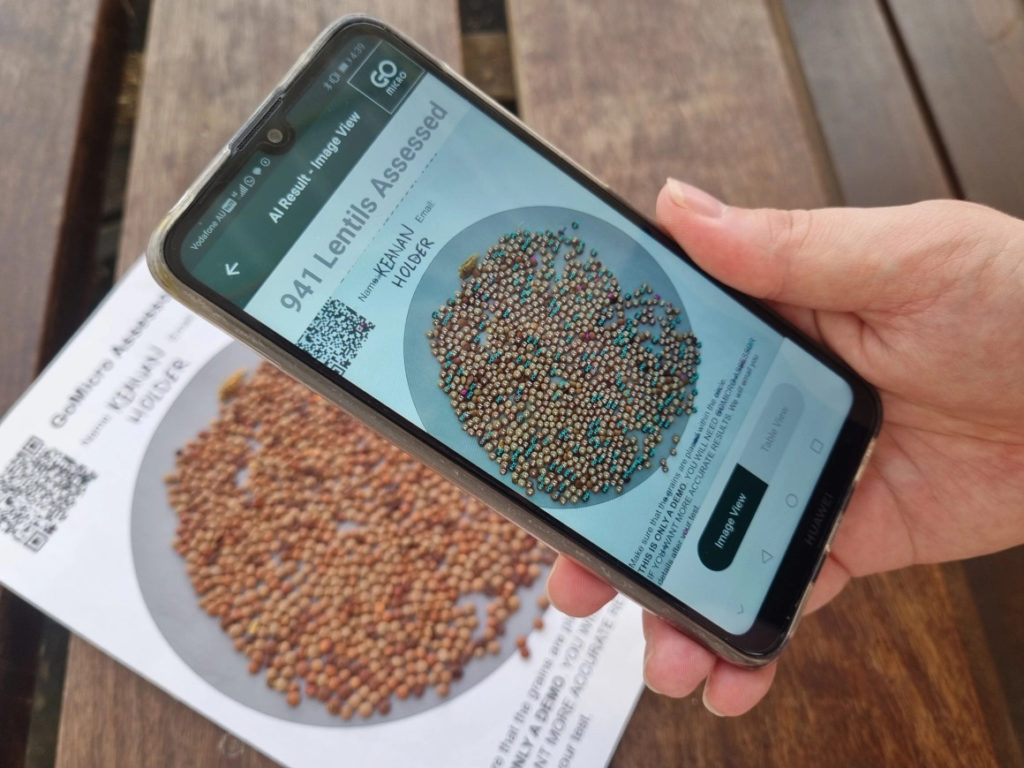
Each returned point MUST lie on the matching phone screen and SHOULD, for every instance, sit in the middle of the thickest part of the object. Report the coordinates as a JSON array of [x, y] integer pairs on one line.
[[419, 249]]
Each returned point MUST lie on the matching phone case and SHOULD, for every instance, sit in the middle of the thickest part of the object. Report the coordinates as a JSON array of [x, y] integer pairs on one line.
[[516, 513]]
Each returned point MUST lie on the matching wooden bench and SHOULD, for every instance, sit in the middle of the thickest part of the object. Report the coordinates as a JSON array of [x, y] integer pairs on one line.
[[58, 78], [777, 102]]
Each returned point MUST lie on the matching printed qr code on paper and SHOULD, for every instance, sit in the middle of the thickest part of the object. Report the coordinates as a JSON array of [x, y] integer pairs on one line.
[[336, 334], [37, 489]]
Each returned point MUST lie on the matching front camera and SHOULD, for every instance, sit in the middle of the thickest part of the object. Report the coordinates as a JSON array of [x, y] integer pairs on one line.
[[275, 135]]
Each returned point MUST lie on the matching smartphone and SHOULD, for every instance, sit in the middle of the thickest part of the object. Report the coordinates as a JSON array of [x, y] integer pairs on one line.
[[398, 242]]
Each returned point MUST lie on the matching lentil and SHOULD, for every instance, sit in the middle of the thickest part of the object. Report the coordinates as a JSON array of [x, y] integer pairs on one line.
[[565, 381], [338, 565]]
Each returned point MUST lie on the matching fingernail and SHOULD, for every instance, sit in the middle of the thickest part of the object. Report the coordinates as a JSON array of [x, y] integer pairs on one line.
[[697, 200], [651, 688], [707, 704], [547, 588], [648, 652], [647, 682]]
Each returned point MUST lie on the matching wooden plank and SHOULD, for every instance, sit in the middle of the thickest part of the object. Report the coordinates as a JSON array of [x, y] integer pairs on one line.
[[990, 618], [881, 142], [969, 61], [53, 56], [701, 90], [878, 139], [690, 89], [208, 65], [20, 634], [55, 65], [854, 690], [213, 77], [488, 65]]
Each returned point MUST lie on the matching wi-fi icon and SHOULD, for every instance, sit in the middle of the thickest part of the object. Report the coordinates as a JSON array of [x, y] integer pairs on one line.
[[257, 171]]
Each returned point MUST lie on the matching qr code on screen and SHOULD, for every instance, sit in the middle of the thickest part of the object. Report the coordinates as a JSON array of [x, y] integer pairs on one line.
[[37, 489], [336, 334]]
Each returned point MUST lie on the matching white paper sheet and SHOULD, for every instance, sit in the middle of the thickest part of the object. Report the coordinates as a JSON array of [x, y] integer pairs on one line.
[[85, 536]]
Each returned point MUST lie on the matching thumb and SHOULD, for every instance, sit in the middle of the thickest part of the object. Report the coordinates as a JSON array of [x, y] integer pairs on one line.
[[843, 259]]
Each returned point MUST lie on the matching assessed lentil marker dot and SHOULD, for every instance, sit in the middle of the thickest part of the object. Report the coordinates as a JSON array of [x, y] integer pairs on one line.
[[340, 567]]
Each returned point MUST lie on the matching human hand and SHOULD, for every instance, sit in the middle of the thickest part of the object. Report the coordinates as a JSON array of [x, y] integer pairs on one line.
[[924, 301]]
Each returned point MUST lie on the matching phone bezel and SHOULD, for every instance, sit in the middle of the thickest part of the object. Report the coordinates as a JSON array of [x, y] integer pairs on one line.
[[798, 568]]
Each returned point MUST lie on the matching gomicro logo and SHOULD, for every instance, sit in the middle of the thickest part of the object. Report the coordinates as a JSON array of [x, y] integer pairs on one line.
[[386, 77], [386, 70]]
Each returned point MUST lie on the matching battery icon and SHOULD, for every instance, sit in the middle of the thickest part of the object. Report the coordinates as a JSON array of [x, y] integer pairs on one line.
[[228, 205]]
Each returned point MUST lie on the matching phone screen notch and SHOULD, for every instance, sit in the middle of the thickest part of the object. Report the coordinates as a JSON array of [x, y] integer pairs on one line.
[[269, 132]]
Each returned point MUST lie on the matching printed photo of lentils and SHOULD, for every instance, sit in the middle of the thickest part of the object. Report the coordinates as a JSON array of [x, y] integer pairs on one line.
[[567, 381], [349, 575]]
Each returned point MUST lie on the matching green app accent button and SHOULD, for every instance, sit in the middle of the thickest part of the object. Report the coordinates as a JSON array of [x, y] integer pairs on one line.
[[730, 519], [386, 77]]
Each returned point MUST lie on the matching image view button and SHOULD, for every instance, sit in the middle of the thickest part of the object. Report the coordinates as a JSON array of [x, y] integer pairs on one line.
[[730, 519]]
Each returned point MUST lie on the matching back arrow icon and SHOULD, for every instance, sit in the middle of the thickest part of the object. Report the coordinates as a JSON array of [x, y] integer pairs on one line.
[[231, 269]]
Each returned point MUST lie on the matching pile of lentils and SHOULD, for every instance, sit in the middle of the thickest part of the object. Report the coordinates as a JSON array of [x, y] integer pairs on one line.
[[567, 382], [339, 565]]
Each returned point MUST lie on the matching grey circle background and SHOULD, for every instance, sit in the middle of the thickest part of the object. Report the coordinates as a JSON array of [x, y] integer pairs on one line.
[[197, 637], [627, 259]]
